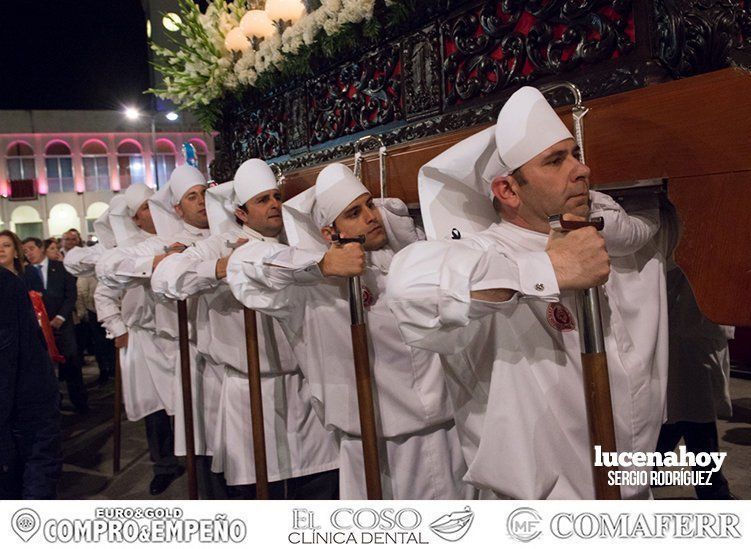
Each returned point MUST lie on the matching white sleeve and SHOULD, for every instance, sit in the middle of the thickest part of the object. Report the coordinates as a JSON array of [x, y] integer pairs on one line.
[[267, 276], [188, 273], [107, 301], [130, 266], [82, 261], [430, 283], [624, 233]]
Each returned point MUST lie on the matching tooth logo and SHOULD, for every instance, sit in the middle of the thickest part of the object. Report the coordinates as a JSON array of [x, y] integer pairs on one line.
[[454, 526], [25, 523]]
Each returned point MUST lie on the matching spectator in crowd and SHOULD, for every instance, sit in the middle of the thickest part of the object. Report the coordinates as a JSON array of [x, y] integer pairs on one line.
[[52, 249], [30, 439], [96, 341], [11, 252], [59, 295], [71, 239]]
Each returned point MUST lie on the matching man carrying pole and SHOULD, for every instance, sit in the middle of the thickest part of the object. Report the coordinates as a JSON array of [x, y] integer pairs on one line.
[[499, 305], [304, 287], [302, 455], [179, 213], [146, 359]]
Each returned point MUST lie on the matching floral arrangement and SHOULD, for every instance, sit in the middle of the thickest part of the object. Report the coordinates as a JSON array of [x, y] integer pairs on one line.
[[202, 70]]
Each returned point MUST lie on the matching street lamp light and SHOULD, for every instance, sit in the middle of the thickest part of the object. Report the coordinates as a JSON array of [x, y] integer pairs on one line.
[[132, 113]]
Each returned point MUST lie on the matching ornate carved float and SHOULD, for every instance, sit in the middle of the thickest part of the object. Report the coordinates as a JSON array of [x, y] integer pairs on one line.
[[445, 74]]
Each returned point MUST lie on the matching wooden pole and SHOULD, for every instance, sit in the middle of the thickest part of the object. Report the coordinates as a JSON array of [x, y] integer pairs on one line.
[[256, 403], [190, 443], [117, 420], [594, 371], [599, 418], [367, 411], [363, 381]]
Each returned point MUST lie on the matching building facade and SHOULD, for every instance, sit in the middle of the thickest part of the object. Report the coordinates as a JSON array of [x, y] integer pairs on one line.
[[59, 170]]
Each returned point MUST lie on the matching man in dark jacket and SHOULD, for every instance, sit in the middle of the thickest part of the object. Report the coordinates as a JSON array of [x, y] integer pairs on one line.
[[59, 297], [30, 439]]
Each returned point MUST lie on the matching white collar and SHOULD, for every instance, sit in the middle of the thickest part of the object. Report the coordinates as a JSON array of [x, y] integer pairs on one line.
[[196, 231], [524, 238], [256, 235]]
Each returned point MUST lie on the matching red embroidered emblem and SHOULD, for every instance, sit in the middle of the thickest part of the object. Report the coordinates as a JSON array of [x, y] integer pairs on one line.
[[560, 318], [368, 300]]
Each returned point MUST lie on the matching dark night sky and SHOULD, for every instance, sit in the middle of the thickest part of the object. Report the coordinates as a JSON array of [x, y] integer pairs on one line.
[[72, 54]]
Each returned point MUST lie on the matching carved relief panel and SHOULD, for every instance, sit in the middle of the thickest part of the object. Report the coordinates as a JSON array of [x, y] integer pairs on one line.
[[496, 45], [356, 96]]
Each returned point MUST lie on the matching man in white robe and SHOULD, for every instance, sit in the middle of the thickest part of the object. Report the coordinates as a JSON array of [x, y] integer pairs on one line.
[[304, 287], [128, 316], [179, 213], [500, 305], [302, 456], [81, 263]]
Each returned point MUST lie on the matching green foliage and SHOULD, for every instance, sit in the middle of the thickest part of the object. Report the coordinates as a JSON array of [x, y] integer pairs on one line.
[[198, 72]]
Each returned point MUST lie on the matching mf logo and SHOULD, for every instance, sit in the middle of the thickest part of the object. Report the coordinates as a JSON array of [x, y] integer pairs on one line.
[[524, 524]]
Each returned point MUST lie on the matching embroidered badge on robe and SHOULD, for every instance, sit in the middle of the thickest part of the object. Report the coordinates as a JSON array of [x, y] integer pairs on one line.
[[560, 318], [368, 299]]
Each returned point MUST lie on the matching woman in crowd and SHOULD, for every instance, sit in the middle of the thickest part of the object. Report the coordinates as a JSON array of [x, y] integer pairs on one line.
[[30, 453], [11, 253], [52, 249]]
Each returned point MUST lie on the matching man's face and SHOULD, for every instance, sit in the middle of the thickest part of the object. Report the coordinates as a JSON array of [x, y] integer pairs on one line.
[[34, 254], [143, 220], [263, 213], [553, 182], [192, 207], [361, 217], [70, 240]]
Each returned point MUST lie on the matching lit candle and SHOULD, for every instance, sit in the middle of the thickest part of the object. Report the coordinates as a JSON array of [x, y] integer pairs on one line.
[[236, 40], [285, 10], [256, 23]]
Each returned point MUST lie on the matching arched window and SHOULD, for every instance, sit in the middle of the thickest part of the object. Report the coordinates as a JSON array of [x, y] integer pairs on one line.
[[92, 214], [21, 161], [25, 222], [201, 155], [96, 171], [59, 168], [166, 159], [63, 217], [130, 164]]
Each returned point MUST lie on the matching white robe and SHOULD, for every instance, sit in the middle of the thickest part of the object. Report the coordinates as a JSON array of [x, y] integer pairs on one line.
[[296, 442], [130, 267], [145, 364], [419, 451], [514, 368], [81, 261]]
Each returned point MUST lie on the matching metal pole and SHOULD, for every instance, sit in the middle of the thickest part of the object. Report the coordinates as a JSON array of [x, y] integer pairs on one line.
[[154, 155], [594, 360]]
